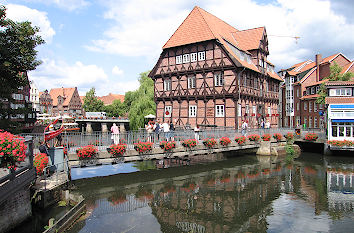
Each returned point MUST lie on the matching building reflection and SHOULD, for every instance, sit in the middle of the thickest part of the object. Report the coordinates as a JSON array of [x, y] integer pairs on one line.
[[233, 199]]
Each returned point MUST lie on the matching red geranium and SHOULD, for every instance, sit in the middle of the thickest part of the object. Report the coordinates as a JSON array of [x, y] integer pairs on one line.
[[266, 137], [240, 140], [254, 137], [311, 137], [40, 162], [117, 150], [86, 152], [12, 150], [224, 141], [209, 142], [189, 143], [143, 147], [277, 136], [168, 146]]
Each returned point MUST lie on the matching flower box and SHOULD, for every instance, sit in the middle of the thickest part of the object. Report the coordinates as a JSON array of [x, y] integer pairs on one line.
[[240, 140], [209, 142], [277, 137], [254, 137], [143, 147], [266, 137], [311, 137], [167, 146], [224, 141], [289, 136], [189, 143], [117, 150], [87, 152]]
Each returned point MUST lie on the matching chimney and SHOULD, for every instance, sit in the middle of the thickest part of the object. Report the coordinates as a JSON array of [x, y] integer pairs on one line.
[[318, 61]]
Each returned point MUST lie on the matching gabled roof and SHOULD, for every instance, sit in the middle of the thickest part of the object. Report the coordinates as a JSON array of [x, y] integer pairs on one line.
[[67, 93], [108, 99], [348, 68], [340, 83], [200, 26], [249, 39]]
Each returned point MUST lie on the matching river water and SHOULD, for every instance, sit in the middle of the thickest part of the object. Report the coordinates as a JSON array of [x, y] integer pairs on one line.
[[219, 193]]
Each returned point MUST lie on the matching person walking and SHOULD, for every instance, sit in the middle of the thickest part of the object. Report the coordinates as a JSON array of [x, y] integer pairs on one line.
[[166, 129], [43, 148], [244, 128], [115, 133], [172, 131], [196, 132], [149, 129], [157, 129]]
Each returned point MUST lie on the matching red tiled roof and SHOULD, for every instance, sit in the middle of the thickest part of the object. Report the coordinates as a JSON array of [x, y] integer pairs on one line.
[[82, 98], [249, 39], [339, 100], [340, 83], [67, 93], [200, 26], [309, 96], [108, 99], [348, 68]]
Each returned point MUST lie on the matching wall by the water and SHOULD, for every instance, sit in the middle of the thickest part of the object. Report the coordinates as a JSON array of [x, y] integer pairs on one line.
[[15, 209]]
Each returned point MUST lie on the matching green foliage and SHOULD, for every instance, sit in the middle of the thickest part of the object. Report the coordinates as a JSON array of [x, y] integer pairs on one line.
[[91, 103], [141, 102], [18, 41], [335, 75], [289, 150], [117, 108]]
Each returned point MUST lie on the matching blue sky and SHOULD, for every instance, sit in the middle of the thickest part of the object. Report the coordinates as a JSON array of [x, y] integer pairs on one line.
[[106, 43]]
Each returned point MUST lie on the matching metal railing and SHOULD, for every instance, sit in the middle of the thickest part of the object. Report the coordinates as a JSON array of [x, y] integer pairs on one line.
[[53, 173], [74, 140]]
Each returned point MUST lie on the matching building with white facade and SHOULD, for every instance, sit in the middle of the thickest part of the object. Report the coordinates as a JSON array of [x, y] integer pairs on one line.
[[34, 96]]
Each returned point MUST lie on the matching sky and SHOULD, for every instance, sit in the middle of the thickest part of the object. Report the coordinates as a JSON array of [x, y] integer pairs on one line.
[[106, 44]]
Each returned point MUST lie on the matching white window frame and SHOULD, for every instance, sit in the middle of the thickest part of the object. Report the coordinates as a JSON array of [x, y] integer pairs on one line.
[[297, 106], [191, 82], [192, 111], [305, 106], [219, 79], [219, 110], [254, 110], [169, 109], [194, 57], [239, 106], [201, 56], [310, 106], [315, 107], [186, 58], [269, 111], [179, 59], [167, 84]]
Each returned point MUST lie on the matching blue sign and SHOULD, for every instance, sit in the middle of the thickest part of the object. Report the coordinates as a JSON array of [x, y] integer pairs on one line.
[[321, 113]]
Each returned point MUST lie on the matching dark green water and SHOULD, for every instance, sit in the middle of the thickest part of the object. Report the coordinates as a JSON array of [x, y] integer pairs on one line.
[[242, 193]]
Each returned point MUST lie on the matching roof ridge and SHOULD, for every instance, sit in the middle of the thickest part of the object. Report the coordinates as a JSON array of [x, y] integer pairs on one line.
[[250, 29], [198, 8]]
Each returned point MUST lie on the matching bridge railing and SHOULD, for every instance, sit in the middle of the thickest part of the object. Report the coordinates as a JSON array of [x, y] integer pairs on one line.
[[73, 140]]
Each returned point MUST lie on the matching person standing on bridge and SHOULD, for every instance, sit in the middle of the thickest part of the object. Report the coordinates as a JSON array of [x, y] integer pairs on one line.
[[115, 133], [244, 127]]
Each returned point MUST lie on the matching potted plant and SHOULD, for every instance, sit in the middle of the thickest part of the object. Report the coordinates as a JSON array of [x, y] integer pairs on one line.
[[87, 154], [266, 137], [12, 150], [143, 147], [254, 137], [167, 146], [289, 137], [311, 137], [224, 141], [240, 140], [209, 142], [189, 143], [277, 137], [117, 150], [40, 161]]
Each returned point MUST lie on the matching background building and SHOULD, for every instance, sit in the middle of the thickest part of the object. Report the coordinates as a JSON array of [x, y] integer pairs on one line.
[[46, 102], [210, 73], [34, 96], [108, 99], [66, 101], [301, 87]]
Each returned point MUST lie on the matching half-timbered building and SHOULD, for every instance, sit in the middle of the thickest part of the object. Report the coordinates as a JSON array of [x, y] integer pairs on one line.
[[210, 73]]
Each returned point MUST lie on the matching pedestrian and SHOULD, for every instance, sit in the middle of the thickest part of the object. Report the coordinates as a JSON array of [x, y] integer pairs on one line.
[[149, 129], [43, 148], [262, 124], [267, 125], [166, 129], [196, 132], [115, 133], [244, 128], [172, 131], [157, 129]]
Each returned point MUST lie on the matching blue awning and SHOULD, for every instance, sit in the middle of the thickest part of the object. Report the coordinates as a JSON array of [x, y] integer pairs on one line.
[[342, 106], [343, 120]]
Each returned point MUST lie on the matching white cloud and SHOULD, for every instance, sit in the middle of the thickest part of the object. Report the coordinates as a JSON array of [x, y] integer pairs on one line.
[[142, 27], [38, 18], [117, 71], [54, 74], [69, 5]]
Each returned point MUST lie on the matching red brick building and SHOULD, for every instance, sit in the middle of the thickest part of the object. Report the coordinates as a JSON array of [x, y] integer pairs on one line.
[[45, 102], [108, 99], [66, 101], [210, 73], [300, 91]]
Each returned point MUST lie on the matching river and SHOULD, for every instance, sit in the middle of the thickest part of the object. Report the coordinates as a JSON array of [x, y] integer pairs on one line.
[[219, 193]]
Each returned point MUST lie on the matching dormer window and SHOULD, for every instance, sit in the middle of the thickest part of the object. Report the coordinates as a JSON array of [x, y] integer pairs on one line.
[[179, 59], [201, 56]]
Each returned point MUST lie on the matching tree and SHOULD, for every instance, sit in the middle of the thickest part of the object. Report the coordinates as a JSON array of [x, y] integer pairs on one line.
[[335, 75], [141, 102], [18, 55], [117, 108], [91, 103]]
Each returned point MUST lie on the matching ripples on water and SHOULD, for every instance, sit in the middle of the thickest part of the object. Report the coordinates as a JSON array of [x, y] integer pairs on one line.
[[234, 194]]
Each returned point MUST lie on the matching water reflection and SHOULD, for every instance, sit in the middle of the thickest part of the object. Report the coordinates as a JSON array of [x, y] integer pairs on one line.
[[234, 195]]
